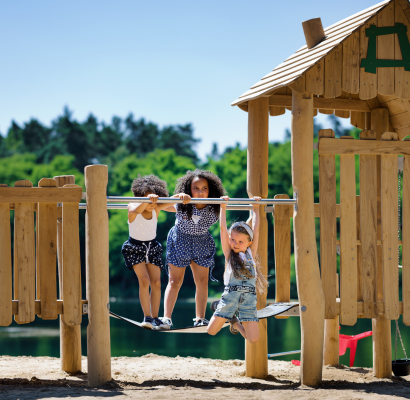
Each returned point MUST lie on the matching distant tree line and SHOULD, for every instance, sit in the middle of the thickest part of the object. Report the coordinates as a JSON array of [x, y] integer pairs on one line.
[[132, 147]]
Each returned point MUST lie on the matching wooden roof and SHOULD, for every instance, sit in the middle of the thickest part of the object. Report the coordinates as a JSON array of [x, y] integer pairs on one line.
[[331, 70]]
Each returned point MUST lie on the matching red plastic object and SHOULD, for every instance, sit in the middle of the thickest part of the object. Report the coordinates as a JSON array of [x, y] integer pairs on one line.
[[348, 341], [296, 362]]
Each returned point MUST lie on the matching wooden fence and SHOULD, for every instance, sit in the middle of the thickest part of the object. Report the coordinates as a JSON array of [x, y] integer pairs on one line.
[[37, 211]]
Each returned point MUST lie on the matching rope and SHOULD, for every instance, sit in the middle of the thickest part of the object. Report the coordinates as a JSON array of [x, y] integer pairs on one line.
[[398, 262]]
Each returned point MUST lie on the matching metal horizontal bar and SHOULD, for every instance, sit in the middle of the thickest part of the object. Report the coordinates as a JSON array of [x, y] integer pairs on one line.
[[285, 353], [121, 199], [121, 206]]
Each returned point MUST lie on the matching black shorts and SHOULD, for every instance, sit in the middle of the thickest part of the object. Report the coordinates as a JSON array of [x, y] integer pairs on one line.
[[136, 251]]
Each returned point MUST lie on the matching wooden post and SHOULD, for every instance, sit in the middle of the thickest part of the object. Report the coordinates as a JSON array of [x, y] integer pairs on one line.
[[311, 297], [381, 327], [98, 331], [6, 282], [257, 185], [70, 336], [331, 347]]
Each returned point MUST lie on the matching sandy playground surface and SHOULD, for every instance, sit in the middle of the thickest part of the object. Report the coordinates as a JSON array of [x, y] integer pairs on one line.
[[158, 377]]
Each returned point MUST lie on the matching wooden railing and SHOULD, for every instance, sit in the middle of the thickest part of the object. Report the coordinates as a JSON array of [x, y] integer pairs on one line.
[[35, 252]]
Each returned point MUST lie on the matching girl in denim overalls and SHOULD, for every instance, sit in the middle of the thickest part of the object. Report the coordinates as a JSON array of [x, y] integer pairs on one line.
[[242, 278]]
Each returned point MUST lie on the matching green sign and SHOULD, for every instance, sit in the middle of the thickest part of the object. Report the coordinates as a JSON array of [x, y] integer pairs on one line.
[[371, 62]]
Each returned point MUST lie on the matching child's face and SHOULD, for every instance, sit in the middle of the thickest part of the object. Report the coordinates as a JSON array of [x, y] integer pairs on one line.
[[199, 188], [150, 206], [239, 242]]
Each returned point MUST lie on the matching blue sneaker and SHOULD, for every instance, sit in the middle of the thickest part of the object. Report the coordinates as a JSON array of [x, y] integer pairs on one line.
[[148, 323]]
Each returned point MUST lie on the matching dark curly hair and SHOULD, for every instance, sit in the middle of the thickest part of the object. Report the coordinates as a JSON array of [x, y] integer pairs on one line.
[[216, 189], [149, 184]]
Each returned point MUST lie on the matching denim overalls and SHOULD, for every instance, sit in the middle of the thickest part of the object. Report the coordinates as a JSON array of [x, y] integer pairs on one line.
[[240, 295]]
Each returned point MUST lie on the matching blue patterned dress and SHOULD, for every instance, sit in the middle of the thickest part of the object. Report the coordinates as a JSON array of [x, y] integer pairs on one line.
[[190, 239]]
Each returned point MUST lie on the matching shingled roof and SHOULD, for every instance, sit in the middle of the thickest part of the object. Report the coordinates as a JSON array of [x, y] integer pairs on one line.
[[331, 70]]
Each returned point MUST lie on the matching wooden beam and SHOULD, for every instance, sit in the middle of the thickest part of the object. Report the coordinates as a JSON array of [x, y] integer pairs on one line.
[[40, 195], [283, 100], [360, 308], [363, 147], [60, 306]]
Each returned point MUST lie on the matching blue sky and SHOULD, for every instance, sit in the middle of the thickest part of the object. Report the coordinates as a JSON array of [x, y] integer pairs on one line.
[[169, 62]]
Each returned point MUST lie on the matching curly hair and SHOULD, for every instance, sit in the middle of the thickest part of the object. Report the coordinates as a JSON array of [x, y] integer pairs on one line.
[[149, 184], [238, 266], [216, 189]]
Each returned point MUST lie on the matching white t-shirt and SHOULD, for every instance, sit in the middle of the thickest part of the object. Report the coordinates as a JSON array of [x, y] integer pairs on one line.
[[143, 229]]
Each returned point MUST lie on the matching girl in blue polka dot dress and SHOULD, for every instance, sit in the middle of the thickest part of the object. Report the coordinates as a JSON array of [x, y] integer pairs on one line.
[[189, 242]]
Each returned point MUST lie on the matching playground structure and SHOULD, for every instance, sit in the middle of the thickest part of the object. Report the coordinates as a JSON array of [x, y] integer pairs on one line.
[[357, 68], [326, 76]]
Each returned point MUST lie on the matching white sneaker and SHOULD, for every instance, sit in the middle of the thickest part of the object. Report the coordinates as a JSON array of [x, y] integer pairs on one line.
[[158, 325], [166, 321], [200, 322]]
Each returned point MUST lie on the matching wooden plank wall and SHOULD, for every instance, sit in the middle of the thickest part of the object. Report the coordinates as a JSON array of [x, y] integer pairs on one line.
[[28, 262], [327, 198], [338, 74], [348, 240]]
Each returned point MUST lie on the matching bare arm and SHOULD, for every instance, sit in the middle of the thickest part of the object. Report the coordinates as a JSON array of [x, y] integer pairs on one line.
[[224, 230], [170, 206], [255, 227]]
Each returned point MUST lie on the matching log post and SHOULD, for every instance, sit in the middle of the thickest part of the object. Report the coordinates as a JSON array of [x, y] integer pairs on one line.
[[381, 326], [98, 330], [256, 355], [70, 336], [311, 297]]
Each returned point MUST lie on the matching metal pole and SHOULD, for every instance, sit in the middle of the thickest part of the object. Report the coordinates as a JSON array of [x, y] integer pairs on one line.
[[113, 206], [113, 199], [285, 353]]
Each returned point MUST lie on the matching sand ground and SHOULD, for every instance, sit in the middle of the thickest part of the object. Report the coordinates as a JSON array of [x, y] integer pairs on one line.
[[158, 377]]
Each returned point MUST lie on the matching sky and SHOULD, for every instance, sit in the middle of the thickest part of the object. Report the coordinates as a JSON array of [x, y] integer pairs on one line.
[[170, 62]]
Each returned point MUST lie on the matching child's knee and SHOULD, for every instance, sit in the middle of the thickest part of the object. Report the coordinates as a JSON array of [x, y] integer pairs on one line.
[[175, 283], [156, 284], [211, 330], [144, 282]]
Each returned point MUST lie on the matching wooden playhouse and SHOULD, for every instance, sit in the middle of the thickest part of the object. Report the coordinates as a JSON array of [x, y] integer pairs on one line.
[[358, 68]]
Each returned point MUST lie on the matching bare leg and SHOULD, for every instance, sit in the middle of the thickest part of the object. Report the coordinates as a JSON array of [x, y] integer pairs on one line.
[[249, 330], [201, 277], [176, 277], [143, 279], [155, 282], [215, 325]]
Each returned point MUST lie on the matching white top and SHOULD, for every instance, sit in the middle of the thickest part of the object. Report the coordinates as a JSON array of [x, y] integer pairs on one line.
[[143, 229], [247, 260]]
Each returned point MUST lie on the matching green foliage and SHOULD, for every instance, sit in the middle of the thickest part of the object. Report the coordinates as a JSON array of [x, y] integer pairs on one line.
[[135, 147]]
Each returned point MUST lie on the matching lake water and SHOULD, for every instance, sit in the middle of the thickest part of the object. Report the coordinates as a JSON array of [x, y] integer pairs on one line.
[[41, 338]]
